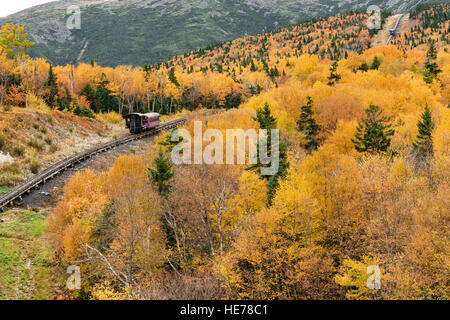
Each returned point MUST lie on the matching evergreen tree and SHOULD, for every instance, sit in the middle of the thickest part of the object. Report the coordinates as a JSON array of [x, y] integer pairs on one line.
[[431, 67], [146, 69], [269, 122], [173, 78], [374, 132], [424, 141], [364, 67], [91, 97], [334, 77], [265, 118], [253, 67], [308, 126], [274, 181], [162, 174], [168, 143], [52, 88], [376, 63], [104, 97], [64, 100]]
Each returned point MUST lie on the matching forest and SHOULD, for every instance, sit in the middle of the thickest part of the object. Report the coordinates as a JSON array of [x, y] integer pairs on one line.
[[363, 178]]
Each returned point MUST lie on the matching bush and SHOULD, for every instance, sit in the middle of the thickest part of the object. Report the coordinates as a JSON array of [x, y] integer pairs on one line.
[[10, 174], [48, 141], [2, 141], [18, 151], [83, 112], [35, 144], [53, 148], [34, 166], [7, 108], [43, 130], [111, 117]]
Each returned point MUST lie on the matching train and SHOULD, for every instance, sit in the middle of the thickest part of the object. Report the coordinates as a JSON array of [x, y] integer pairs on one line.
[[140, 122]]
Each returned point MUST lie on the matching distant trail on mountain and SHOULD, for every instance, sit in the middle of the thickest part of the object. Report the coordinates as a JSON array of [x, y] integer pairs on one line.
[[82, 50]]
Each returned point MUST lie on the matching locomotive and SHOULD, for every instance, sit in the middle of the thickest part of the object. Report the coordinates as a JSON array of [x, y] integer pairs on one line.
[[139, 122]]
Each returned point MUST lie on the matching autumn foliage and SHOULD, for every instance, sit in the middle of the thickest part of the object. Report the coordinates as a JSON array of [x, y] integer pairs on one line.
[[336, 212]]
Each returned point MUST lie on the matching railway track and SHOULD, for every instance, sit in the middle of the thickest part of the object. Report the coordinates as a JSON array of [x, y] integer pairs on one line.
[[16, 193], [395, 29]]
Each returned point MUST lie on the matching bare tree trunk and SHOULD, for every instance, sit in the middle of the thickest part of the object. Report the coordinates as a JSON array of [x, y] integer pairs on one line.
[[120, 105], [71, 78]]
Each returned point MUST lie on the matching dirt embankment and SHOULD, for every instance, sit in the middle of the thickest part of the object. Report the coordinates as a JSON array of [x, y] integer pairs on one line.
[[31, 140]]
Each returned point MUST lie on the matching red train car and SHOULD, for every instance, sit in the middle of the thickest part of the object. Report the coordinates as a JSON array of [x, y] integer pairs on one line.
[[139, 122]]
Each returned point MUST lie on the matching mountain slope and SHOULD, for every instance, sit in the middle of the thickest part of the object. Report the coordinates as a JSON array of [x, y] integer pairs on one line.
[[148, 31]]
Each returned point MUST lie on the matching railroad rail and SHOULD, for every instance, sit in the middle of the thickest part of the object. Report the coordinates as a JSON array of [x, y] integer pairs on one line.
[[17, 192], [395, 29]]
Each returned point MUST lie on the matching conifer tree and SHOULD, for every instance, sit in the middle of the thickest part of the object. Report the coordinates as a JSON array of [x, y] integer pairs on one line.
[[334, 77], [308, 126], [146, 68], [374, 132], [168, 144], [91, 96], [173, 78], [364, 67], [269, 122], [253, 67], [376, 63], [274, 181], [52, 88], [265, 118], [431, 67], [106, 101], [162, 174], [424, 141]]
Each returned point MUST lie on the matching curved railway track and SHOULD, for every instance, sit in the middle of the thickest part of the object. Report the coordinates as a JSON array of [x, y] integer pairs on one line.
[[17, 192]]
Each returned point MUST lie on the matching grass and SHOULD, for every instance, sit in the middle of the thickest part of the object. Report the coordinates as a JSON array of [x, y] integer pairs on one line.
[[3, 189], [18, 151], [25, 268], [34, 166], [11, 174], [35, 144]]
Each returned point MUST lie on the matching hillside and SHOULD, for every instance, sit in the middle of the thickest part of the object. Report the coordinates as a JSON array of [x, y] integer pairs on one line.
[[330, 38], [31, 140], [342, 201], [363, 179], [136, 32]]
